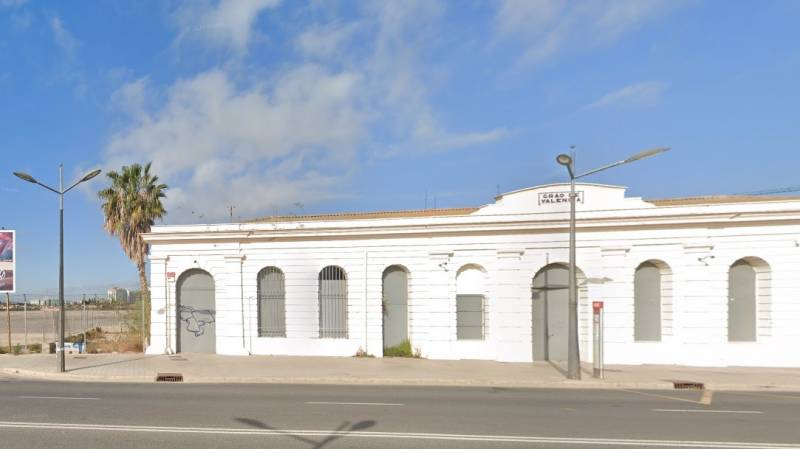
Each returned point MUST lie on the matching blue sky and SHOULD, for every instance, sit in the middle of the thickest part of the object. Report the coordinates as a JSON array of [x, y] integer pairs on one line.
[[312, 106]]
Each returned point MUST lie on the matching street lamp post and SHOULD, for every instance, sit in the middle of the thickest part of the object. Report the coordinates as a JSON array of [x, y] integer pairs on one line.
[[573, 354], [60, 192]]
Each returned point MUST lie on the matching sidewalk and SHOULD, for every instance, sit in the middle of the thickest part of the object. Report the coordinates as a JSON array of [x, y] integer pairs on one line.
[[209, 368]]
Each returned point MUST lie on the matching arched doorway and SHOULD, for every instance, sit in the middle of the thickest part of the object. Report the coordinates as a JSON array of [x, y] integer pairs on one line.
[[748, 299], [395, 306], [196, 312], [550, 292]]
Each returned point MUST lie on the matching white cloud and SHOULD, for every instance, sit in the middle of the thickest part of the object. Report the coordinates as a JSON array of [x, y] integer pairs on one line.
[[224, 24], [63, 37], [255, 147], [401, 80], [647, 93], [228, 136], [325, 41], [12, 3], [546, 28], [68, 70]]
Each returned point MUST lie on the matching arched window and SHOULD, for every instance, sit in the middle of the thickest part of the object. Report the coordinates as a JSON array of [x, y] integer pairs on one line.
[[271, 303], [332, 303], [652, 301], [748, 299], [470, 303]]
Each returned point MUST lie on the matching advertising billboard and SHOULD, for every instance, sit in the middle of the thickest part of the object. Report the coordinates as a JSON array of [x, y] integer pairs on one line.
[[7, 262]]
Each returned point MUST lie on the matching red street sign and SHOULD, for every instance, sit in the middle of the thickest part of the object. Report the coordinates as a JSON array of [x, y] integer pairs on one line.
[[170, 275], [597, 306]]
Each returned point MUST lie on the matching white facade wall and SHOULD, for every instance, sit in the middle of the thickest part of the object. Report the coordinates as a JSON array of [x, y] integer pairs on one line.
[[511, 241]]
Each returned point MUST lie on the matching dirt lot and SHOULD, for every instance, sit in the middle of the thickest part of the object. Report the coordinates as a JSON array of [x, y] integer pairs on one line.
[[43, 322]]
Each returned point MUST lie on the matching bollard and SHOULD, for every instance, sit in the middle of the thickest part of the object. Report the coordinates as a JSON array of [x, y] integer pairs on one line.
[[597, 327]]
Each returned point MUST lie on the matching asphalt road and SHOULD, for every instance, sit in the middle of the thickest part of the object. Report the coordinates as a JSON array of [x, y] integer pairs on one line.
[[102, 415]]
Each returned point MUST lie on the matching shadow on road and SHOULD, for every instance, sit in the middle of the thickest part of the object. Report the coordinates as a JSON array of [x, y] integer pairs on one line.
[[341, 431], [118, 362]]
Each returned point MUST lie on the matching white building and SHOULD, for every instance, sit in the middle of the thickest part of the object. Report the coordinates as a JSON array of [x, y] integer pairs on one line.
[[698, 281], [117, 294]]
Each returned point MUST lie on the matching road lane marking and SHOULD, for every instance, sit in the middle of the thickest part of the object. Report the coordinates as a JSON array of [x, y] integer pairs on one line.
[[760, 394], [662, 396], [614, 442], [706, 398], [747, 412], [352, 403], [59, 397]]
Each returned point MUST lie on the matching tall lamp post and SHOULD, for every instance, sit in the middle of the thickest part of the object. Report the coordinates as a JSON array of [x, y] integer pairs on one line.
[[61, 191], [573, 354]]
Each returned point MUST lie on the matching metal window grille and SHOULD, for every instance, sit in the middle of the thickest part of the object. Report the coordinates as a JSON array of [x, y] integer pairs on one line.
[[470, 315], [332, 303], [271, 303]]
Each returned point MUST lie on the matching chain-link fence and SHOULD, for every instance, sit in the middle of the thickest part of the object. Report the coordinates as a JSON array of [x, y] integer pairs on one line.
[[92, 322]]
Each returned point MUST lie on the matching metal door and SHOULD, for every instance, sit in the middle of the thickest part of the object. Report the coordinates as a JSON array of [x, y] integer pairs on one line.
[[395, 306], [647, 303], [550, 313], [196, 313], [742, 302]]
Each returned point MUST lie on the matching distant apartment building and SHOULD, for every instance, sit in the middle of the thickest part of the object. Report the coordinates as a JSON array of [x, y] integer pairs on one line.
[[119, 295]]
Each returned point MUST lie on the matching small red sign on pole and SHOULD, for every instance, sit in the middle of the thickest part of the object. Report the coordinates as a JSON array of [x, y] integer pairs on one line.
[[171, 275], [597, 306]]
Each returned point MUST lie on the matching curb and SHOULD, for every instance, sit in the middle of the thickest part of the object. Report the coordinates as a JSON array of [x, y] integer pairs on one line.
[[565, 384]]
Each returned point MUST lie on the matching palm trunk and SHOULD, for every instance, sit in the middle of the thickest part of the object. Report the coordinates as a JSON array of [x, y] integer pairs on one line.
[[146, 299]]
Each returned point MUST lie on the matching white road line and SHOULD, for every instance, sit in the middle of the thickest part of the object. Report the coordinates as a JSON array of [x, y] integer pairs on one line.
[[654, 395], [706, 398], [748, 412], [352, 403], [58, 397], [396, 435]]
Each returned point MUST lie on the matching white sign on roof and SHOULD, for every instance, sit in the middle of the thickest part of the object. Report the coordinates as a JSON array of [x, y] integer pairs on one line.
[[559, 197]]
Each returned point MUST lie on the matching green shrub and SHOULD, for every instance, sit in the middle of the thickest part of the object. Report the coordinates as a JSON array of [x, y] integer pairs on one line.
[[401, 350]]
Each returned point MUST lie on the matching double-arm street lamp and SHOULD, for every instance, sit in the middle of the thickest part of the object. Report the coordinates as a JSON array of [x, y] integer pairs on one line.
[[61, 191], [573, 354]]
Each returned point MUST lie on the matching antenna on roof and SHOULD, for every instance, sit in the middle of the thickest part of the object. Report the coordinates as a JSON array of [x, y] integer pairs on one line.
[[230, 211]]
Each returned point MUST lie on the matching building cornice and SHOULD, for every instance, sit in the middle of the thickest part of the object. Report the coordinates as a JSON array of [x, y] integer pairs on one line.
[[478, 225]]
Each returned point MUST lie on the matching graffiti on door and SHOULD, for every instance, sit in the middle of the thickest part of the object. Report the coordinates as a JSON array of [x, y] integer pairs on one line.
[[196, 319]]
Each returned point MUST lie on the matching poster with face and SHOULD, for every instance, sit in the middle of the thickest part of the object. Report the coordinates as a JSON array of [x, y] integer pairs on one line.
[[7, 261]]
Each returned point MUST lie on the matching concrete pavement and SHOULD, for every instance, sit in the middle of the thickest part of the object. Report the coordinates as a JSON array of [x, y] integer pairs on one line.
[[209, 368]]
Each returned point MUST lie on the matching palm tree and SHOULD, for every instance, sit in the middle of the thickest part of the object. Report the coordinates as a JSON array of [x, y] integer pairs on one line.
[[131, 205]]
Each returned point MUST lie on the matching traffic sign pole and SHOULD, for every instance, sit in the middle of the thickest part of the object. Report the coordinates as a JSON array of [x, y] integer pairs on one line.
[[597, 327]]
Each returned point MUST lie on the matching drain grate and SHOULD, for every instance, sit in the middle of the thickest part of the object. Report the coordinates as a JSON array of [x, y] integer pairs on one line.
[[169, 377], [688, 385]]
